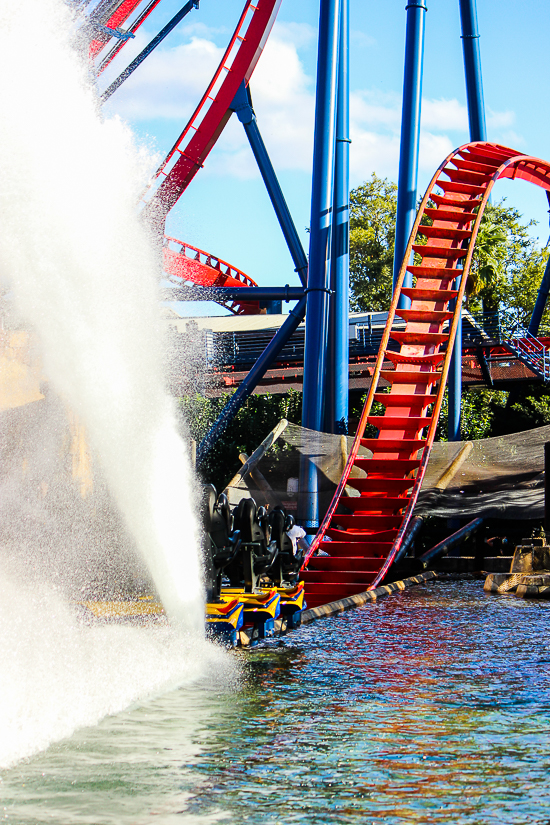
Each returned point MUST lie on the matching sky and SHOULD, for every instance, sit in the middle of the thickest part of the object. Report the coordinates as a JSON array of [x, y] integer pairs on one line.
[[226, 210]]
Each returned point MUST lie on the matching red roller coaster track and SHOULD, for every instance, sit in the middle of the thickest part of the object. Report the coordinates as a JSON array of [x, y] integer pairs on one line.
[[362, 533], [117, 17], [193, 146], [181, 260]]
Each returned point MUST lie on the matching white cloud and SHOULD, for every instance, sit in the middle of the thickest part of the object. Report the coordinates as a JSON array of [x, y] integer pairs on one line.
[[500, 120], [444, 115], [360, 38], [283, 96], [171, 85]]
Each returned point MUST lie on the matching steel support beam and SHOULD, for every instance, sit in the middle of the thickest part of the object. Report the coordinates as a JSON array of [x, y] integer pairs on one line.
[[296, 316], [318, 284], [337, 384], [410, 137], [454, 388], [137, 61], [242, 106], [540, 304], [472, 70], [227, 293], [478, 131]]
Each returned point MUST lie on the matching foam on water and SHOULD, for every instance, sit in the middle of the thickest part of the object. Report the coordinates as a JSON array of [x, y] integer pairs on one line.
[[82, 275], [59, 675]]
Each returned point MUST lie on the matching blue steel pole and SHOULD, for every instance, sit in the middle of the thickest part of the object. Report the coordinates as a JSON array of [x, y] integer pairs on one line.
[[337, 384], [454, 387], [472, 70], [137, 61], [540, 304], [295, 318], [318, 284], [242, 106], [476, 119], [229, 293], [410, 137]]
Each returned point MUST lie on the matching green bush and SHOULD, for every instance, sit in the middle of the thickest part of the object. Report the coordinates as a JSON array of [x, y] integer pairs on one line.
[[253, 422]]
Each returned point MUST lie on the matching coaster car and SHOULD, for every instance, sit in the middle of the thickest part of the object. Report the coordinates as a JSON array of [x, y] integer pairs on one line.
[[286, 569], [258, 552], [221, 542], [225, 619]]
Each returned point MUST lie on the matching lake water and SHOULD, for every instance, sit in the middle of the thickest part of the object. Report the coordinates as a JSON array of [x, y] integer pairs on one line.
[[432, 705]]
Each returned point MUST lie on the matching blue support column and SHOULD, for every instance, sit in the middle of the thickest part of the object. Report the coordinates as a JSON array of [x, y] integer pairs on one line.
[[410, 137], [542, 295], [454, 388], [478, 131], [472, 70], [318, 284], [242, 106], [540, 305], [337, 385]]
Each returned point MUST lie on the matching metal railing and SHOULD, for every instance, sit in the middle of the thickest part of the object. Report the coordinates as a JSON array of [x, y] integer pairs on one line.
[[506, 329]]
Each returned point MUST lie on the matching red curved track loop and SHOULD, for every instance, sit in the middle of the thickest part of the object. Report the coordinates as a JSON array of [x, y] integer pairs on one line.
[[363, 532], [208, 121], [192, 265]]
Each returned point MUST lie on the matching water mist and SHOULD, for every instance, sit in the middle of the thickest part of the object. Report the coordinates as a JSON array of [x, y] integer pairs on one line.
[[83, 277]]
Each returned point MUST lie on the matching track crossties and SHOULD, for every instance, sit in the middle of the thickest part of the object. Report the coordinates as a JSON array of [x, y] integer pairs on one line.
[[368, 517]]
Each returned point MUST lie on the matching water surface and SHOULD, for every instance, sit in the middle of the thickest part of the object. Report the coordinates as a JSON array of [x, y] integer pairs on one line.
[[432, 705]]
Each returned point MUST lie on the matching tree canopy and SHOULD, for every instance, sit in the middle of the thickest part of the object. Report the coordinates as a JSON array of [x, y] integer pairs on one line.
[[507, 265], [373, 208]]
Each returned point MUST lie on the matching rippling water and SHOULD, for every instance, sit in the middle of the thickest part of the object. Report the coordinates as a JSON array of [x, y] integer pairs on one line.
[[431, 706]]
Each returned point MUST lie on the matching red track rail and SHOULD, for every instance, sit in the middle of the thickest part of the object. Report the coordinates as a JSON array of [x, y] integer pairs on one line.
[[117, 18], [132, 29], [192, 265], [208, 121], [363, 533]]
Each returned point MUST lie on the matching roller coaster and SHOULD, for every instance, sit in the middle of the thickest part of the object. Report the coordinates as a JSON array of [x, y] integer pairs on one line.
[[360, 535]]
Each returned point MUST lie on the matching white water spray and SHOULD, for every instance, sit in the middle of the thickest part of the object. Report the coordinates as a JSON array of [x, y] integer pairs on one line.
[[84, 278]]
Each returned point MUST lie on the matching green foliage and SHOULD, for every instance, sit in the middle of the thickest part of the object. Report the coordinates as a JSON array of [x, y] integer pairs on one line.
[[372, 232], [479, 411], [248, 429], [507, 266], [526, 408]]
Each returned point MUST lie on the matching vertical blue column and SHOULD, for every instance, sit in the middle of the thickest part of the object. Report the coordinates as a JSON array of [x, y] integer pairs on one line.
[[472, 70], [540, 304], [337, 384], [478, 131], [410, 136], [318, 284]]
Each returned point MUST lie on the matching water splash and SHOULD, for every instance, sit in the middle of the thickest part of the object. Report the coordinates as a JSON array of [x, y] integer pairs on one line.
[[82, 275], [59, 675]]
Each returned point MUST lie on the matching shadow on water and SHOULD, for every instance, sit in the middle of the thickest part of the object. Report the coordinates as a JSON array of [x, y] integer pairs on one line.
[[430, 706]]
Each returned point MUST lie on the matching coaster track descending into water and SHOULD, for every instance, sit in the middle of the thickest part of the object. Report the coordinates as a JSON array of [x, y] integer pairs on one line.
[[363, 533]]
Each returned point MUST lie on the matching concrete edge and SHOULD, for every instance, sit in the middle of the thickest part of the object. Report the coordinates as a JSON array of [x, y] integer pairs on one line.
[[359, 599]]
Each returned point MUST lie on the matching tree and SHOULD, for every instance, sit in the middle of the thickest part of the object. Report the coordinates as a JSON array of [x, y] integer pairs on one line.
[[373, 208], [250, 426], [507, 265]]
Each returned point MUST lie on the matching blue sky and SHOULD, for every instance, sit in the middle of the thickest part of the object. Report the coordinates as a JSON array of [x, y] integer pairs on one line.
[[226, 210]]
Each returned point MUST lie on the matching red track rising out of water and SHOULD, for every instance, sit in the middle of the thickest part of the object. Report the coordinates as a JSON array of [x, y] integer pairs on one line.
[[363, 532]]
